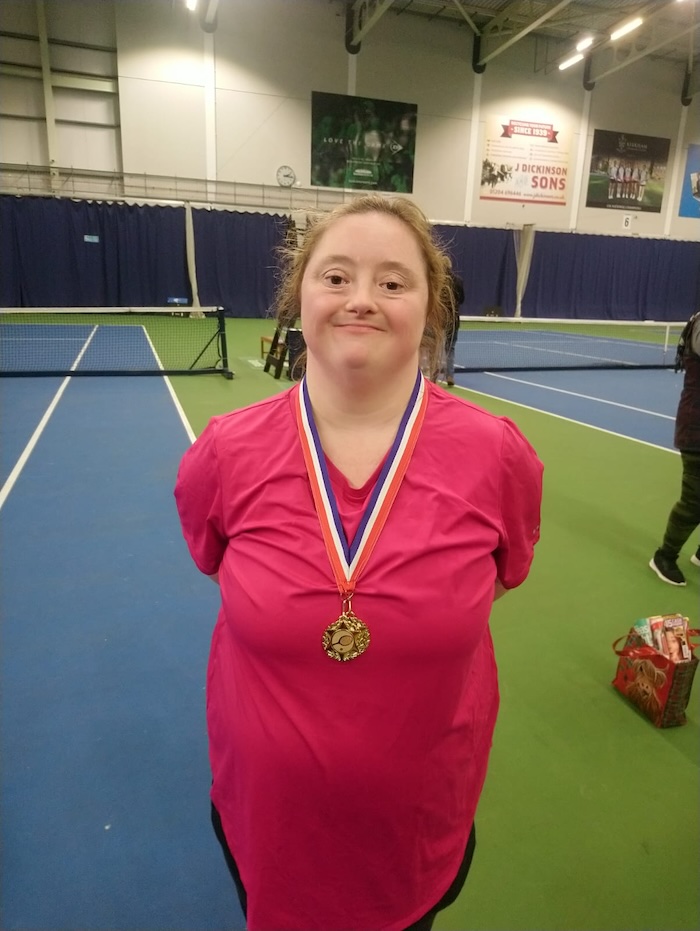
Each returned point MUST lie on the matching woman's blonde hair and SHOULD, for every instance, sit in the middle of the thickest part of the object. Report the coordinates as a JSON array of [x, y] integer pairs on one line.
[[296, 257]]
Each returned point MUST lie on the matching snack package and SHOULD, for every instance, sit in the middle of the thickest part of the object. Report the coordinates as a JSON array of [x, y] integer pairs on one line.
[[657, 634], [676, 635], [643, 629]]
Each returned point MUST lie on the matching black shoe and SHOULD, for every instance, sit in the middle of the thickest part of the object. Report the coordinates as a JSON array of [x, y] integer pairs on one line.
[[666, 569], [695, 558]]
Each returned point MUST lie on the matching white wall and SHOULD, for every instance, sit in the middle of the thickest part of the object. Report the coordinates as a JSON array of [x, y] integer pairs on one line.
[[234, 105], [429, 64], [267, 63], [87, 121]]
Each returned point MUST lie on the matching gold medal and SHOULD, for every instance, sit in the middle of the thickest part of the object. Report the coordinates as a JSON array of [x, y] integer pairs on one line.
[[347, 638]]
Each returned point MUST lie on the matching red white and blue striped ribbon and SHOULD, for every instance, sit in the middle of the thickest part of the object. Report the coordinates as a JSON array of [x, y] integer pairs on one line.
[[348, 559]]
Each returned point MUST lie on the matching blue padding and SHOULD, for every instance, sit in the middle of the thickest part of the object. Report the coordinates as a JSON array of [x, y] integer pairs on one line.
[[612, 278], [57, 252]]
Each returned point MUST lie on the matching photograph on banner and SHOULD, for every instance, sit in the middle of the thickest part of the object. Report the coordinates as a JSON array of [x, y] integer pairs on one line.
[[690, 190], [362, 143], [627, 172], [525, 161]]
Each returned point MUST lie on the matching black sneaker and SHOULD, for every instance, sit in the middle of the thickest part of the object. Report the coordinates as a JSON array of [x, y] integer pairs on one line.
[[666, 569], [695, 558]]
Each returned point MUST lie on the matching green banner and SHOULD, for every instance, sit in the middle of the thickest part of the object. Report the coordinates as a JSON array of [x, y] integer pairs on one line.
[[362, 143]]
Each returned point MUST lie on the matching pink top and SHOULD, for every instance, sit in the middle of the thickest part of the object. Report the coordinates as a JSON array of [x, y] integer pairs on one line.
[[347, 790]]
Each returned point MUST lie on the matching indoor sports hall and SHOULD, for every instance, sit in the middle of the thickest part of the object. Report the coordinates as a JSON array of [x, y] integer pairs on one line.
[[155, 156]]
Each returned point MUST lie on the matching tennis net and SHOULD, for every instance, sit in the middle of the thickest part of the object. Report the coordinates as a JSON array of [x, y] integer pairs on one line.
[[113, 341], [521, 344]]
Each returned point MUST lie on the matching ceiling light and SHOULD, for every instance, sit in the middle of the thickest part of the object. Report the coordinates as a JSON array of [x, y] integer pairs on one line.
[[570, 61], [584, 44], [628, 27], [191, 5]]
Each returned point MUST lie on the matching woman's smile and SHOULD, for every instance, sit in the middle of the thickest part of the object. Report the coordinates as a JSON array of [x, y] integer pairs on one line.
[[356, 327]]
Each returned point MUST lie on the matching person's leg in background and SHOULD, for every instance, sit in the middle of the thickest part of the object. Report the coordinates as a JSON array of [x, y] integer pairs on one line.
[[682, 521], [450, 364]]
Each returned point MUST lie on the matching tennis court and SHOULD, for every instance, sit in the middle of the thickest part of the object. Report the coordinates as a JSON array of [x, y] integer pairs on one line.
[[529, 343], [136, 341], [588, 809]]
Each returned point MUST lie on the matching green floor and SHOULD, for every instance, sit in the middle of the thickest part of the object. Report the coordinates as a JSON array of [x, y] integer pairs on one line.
[[590, 816]]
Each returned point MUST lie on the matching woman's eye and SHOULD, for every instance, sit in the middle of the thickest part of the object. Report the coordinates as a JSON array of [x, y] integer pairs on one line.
[[334, 279], [393, 285]]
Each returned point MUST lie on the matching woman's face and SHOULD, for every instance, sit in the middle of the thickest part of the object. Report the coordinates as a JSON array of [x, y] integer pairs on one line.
[[364, 296]]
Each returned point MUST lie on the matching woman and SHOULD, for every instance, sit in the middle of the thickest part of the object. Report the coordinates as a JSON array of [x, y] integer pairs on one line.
[[360, 526]]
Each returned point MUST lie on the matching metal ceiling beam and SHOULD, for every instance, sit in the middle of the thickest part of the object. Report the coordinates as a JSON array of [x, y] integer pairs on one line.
[[658, 40], [594, 56], [362, 16], [636, 56], [503, 17], [63, 79], [208, 15], [472, 25]]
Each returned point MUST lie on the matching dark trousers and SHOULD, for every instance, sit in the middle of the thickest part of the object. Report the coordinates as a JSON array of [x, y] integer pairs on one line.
[[423, 924], [685, 513]]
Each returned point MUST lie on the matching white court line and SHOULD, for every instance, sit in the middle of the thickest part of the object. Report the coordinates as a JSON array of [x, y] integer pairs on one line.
[[577, 394], [34, 439], [558, 352], [176, 401], [579, 423]]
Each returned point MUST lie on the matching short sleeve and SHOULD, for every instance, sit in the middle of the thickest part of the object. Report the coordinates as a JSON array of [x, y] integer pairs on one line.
[[520, 496], [199, 502]]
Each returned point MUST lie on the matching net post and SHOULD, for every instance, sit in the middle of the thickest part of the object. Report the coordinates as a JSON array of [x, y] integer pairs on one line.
[[223, 347]]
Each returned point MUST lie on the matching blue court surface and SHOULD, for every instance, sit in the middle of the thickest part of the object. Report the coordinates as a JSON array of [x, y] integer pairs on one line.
[[31, 347], [105, 635], [636, 404], [503, 343]]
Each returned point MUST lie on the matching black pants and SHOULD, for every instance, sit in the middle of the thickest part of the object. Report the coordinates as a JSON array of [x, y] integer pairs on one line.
[[685, 514], [423, 924]]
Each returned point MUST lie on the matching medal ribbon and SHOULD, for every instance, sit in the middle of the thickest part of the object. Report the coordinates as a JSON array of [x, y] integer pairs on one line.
[[349, 559]]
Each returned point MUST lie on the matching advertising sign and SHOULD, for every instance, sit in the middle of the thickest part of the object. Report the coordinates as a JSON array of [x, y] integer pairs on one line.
[[362, 143]]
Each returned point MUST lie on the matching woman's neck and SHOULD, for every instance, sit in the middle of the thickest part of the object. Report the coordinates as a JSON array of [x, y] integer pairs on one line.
[[356, 399]]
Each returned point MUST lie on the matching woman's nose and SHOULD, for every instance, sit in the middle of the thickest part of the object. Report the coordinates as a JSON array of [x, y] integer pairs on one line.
[[362, 298]]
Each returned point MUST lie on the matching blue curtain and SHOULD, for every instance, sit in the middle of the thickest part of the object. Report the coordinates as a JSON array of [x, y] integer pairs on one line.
[[236, 259], [132, 255], [485, 260], [612, 278]]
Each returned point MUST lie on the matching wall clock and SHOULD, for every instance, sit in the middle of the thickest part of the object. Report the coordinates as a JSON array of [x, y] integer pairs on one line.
[[286, 176]]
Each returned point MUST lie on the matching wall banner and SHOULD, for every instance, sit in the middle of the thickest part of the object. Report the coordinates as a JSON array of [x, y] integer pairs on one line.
[[525, 161], [690, 191], [627, 172], [362, 143]]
